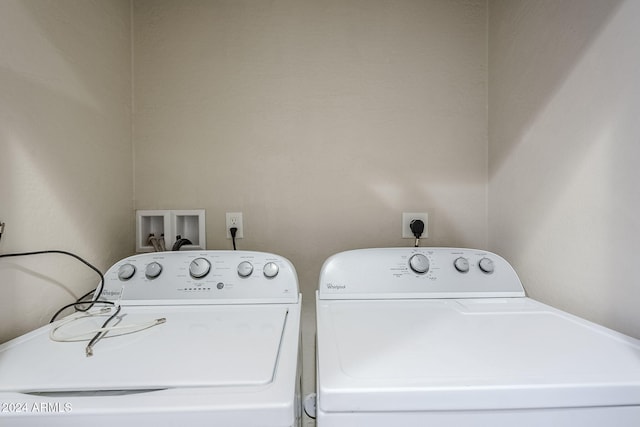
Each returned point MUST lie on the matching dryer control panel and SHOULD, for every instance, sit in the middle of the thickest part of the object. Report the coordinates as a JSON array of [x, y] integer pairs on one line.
[[202, 277], [385, 273]]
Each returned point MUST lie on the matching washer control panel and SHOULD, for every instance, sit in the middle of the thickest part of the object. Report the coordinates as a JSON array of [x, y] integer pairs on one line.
[[203, 277], [417, 273]]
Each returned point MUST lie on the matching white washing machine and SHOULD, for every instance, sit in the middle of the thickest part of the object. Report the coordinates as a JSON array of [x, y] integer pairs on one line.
[[206, 338], [447, 337]]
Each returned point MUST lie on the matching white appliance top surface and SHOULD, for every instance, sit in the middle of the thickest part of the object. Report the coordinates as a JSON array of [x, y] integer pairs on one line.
[[469, 354], [413, 350], [198, 346]]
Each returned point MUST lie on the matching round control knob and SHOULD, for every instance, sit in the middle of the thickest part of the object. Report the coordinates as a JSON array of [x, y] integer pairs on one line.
[[245, 268], [271, 270], [153, 270], [486, 265], [126, 271], [461, 264], [199, 268], [419, 263]]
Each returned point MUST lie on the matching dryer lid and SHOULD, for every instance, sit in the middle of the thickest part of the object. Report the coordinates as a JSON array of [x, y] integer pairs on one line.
[[497, 353], [198, 346]]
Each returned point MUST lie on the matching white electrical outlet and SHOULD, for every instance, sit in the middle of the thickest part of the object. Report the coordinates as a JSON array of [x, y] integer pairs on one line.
[[407, 217], [234, 219]]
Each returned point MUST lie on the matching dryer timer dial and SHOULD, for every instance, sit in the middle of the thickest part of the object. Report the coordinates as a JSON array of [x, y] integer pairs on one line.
[[486, 265], [419, 263]]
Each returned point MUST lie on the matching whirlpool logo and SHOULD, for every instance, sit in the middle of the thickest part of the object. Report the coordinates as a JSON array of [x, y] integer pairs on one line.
[[108, 293], [336, 286]]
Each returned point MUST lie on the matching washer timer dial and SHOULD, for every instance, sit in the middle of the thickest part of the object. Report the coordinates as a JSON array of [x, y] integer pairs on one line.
[[199, 268]]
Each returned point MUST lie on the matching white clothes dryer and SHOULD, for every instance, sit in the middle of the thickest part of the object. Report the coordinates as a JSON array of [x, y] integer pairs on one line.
[[447, 337], [202, 338]]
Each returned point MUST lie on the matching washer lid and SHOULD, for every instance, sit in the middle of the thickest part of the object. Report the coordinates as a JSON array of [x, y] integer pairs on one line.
[[469, 354], [197, 347]]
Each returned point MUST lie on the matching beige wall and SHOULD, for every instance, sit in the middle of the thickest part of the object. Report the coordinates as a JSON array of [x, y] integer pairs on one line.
[[320, 121], [65, 150], [564, 146]]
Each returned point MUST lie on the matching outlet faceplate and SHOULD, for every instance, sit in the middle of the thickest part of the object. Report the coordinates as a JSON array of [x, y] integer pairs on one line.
[[234, 219], [407, 217]]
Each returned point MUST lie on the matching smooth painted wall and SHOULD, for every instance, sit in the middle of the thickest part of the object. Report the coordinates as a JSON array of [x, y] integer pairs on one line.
[[65, 151], [564, 144], [321, 121]]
